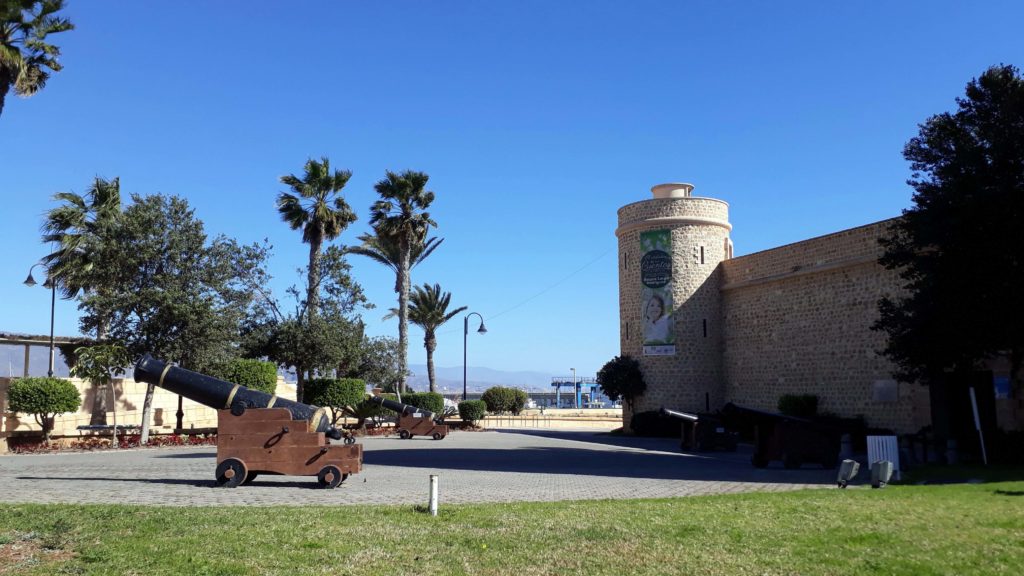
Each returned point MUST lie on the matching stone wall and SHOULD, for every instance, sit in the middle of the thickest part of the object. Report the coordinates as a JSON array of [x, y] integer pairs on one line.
[[130, 398], [797, 320]]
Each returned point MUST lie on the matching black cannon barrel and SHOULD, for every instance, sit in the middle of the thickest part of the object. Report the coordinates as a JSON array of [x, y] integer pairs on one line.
[[686, 416], [403, 409], [218, 394]]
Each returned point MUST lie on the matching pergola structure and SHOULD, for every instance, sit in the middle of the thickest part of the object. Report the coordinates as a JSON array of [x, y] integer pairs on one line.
[[30, 340]]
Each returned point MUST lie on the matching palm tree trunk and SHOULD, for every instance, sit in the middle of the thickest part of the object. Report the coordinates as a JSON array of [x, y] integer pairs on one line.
[[430, 342], [403, 310], [5, 85], [313, 278], [99, 399]]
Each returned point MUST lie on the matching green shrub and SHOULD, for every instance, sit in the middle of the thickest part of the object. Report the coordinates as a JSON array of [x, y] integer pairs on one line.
[[799, 405], [338, 394], [472, 410], [621, 378], [429, 401], [43, 398], [366, 410], [253, 374], [518, 401]]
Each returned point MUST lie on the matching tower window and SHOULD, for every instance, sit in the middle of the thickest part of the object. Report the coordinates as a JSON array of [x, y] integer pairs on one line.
[[701, 254]]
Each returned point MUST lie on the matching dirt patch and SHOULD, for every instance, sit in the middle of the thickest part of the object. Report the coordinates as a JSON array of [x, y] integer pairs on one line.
[[25, 549]]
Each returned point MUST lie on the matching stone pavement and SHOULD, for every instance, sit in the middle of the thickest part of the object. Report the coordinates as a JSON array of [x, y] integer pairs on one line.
[[494, 466]]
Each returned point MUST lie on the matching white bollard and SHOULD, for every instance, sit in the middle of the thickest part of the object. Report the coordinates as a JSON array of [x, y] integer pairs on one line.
[[433, 494]]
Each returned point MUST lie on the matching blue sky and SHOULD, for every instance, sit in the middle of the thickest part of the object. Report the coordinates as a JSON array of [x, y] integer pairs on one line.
[[536, 121]]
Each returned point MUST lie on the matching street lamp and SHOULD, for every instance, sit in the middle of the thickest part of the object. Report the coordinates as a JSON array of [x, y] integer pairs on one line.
[[575, 391], [30, 281], [465, 338]]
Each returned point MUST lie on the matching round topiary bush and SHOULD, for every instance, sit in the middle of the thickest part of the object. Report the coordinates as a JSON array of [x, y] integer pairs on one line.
[[44, 399], [472, 411]]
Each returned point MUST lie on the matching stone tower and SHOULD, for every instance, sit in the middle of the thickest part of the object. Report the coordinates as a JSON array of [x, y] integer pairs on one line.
[[670, 248]]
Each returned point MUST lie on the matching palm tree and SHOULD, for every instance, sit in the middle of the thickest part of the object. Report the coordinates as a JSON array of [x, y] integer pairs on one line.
[[24, 54], [81, 230], [385, 250], [428, 309], [320, 211], [400, 218]]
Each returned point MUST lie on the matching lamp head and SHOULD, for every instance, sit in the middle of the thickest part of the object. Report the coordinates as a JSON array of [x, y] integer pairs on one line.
[[483, 329], [30, 281]]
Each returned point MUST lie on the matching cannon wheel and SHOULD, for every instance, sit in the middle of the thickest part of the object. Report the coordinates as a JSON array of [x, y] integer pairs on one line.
[[231, 472], [330, 476], [759, 461], [404, 434], [438, 435], [250, 477]]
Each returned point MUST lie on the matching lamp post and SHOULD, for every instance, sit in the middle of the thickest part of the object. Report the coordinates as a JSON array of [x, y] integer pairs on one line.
[[575, 389], [465, 337], [30, 281]]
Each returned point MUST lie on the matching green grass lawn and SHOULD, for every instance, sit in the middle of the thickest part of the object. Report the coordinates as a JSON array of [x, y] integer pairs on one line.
[[948, 529]]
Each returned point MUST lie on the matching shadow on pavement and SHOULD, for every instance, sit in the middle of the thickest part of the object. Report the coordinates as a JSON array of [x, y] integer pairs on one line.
[[580, 461]]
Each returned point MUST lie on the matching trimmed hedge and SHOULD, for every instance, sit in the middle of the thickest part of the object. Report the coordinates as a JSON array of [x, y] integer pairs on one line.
[[335, 392], [500, 399], [472, 410], [429, 401], [253, 374], [43, 398]]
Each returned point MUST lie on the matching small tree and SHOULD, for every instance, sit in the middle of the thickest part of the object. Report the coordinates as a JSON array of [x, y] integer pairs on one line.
[[99, 365], [472, 411], [340, 395], [44, 399], [621, 378]]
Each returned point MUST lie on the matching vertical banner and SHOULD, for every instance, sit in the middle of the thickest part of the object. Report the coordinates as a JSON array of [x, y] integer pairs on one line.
[[656, 296]]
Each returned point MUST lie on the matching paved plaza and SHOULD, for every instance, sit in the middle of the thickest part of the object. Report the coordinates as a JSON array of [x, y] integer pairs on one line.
[[492, 466]]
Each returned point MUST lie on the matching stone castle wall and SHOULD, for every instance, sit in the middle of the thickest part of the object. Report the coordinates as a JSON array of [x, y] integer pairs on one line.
[[797, 320]]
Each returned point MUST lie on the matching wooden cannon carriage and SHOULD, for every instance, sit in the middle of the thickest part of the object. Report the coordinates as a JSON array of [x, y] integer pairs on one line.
[[413, 421], [259, 433]]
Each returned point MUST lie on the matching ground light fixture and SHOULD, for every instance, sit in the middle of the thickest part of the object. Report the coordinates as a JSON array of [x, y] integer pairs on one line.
[[847, 471]]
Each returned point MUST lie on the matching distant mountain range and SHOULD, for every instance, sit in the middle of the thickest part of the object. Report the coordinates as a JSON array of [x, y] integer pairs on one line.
[[478, 378]]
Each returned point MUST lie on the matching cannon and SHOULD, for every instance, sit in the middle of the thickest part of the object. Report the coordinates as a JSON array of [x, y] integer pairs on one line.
[[259, 433], [792, 440], [702, 432], [413, 421]]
